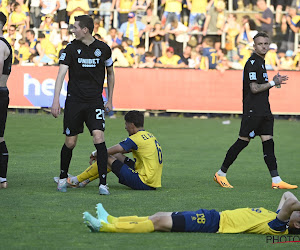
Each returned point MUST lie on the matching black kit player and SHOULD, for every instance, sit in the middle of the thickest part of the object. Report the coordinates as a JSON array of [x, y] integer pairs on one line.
[[5, 69], [257, 117], [86, 59]]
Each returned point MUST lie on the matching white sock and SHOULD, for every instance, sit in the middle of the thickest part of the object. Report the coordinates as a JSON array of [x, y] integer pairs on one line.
[[2, 179], [276, 179], [221, 173]]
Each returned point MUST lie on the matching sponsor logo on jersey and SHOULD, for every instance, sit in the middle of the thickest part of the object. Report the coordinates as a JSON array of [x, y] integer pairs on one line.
[[252, 61], [252, 76], [88, 62], [97, 52]]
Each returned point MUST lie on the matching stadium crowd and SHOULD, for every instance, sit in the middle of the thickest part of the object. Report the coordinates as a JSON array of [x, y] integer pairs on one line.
[[198, 34]]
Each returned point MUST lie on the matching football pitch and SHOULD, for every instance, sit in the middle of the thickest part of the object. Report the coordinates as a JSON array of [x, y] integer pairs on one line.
[[33, 215]]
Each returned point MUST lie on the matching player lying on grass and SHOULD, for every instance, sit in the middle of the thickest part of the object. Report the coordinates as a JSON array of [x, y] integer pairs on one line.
[[243, 220], [142, 174]]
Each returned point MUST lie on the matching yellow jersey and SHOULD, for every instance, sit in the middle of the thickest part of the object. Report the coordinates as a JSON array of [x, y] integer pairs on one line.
[[198, 6], [24, 53], [147, 154], [248, 220], [73, 4], [125, 6], [49, 48], [174, 60], [173, 6], [270, 58]]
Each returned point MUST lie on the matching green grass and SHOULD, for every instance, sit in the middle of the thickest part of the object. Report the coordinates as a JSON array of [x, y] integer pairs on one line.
[[33, 215]]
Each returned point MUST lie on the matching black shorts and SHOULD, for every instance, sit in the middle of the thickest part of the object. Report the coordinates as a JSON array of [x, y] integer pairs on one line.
[[78, 113], [61, 16], [4, 101], [256, 125], [283, 3]]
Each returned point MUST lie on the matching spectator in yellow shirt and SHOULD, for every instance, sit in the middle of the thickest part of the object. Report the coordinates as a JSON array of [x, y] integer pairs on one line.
[[24, 52], [271, 59], [170, 60], [46, 51], [18, 18], [77, 8]]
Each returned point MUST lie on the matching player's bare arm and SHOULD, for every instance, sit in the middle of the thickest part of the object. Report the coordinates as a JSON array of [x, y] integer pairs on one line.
[[55, 109], [277, 80], [290, 205], [284, 197], [110, 85]]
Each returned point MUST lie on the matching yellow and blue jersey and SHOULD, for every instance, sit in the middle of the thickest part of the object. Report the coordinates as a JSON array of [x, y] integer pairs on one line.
[[147, 154], [251, 220], [211, 54]]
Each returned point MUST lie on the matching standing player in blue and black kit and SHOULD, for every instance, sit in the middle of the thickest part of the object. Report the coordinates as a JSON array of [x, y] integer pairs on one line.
[[257, 117], [86, 58], [5, 69]]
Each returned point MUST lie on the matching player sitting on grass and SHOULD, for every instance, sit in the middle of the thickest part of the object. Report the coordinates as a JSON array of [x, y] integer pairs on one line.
[[242, 220], [142, 174]]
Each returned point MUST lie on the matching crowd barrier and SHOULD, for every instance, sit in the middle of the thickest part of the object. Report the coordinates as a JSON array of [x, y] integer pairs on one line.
[[171, 90]]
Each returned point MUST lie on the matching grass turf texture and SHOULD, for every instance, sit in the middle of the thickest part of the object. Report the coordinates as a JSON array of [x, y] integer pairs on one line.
[[33, 215]]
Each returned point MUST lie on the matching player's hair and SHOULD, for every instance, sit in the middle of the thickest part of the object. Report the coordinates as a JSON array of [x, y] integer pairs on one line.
[[135, 117], [85, 21], [260, 34], [3, 19]]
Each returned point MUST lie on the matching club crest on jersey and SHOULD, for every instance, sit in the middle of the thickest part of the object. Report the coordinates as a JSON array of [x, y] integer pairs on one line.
[[97, 52], [79, 51], [252, 61]]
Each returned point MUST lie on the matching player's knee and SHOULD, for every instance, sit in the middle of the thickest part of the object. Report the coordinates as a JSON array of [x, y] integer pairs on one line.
[[161, 222], [70, 143], [98, 136]]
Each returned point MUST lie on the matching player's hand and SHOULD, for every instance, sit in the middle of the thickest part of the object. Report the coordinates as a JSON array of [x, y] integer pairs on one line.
[[108, 107], [92, 159], [280, 79], [55, 109]]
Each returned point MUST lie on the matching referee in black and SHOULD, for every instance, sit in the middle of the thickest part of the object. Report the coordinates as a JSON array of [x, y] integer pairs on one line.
[[257, 117], [5, 69], [86, 59]]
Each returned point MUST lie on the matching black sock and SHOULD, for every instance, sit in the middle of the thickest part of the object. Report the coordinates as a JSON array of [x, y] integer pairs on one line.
[[3, 159], [269, 157], [65, 159], [232, 153], [102, 161]]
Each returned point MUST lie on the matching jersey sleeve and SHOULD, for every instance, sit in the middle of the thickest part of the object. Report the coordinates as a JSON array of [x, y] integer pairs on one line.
[[250, 73], [278, 225], [108, 58], [66, 56], [128, 144]]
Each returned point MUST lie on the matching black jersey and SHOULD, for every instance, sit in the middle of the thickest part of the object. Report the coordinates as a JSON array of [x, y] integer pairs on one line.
[[255, 71], [8, 61], [86, 69]]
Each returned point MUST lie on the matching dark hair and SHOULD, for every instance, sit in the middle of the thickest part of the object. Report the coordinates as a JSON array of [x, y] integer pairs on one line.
[[85, 21], [260, 34], [148, 53], [3, 19], [252, 24], [135, 117], [31, 32]]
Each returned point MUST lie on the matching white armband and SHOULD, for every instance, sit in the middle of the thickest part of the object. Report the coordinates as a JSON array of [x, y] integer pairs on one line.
[[272, 83]]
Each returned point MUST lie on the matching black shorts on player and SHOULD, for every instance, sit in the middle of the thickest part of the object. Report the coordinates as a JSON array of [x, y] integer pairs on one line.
[[4, 101], [76, 114], [252, 126]]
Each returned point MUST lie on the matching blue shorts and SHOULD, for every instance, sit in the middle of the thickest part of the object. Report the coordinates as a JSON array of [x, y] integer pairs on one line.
[[129, 177], [202, 220]]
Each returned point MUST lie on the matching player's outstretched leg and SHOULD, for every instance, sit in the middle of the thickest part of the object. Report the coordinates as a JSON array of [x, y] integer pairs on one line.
[[101, 213], [222, 181], [91, 222]]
